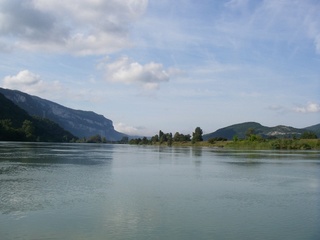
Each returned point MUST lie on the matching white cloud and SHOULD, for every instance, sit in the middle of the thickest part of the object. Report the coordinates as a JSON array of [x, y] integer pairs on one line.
[[80, 27], [127, 71], [311, 107], [30, 82], [124, 128], [23, 78]]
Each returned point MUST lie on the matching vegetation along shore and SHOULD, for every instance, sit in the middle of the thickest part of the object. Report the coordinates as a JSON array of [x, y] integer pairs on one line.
[[306, 141]]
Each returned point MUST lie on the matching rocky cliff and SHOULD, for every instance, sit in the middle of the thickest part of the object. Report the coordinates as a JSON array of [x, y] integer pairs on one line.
[[79, 123]]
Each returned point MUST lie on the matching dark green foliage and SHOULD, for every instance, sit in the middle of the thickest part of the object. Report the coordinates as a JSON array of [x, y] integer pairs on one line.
[[144, 141], [169, 139], [216, 139], [308, 135], [17, 125], [124, 140], [155, 139], [28, 128], [289, 144], [135, 141], [181, 137], [95, 139], [315, 129], [197, 135], [162, 138]]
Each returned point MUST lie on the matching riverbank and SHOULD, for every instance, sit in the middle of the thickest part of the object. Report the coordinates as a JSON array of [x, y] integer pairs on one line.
[[274, 144]]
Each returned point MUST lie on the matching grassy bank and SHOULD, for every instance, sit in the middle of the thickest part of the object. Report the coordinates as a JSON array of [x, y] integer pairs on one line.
[[276, 144]]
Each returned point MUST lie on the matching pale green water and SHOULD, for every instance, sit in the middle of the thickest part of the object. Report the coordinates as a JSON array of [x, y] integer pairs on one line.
[[82, 191]]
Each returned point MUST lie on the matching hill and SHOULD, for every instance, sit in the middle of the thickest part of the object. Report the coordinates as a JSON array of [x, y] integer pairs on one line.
[[17, 125], [266, 132], [315, 129], [79, 123]]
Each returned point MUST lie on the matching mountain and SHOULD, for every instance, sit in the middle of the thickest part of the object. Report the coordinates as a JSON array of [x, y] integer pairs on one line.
[[79, 123], [315, 129], [277, 131], [17, 125]]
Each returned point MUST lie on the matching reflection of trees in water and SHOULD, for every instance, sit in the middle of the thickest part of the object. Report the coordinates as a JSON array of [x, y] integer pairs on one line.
[[177, 154], [173, 153], [197, 151]]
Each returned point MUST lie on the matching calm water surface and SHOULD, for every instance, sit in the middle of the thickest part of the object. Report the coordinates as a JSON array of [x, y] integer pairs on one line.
[[83, 191]]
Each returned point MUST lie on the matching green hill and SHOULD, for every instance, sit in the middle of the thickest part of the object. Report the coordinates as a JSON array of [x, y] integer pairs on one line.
[[266, 132], [17, 125], [315, 129]]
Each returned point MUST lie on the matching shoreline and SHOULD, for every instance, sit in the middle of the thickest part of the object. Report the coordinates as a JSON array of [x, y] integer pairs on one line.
[[275, 144]]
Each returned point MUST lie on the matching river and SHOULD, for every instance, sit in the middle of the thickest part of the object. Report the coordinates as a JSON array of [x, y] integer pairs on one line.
[[93, 191]]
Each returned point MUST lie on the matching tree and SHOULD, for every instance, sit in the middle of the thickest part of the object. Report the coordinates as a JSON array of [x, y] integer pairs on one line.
[[155, 138], [124, 140], [197, 135], [235, 138], [144, 141], [169, 139], [309, 135], [176, 137], [250, 132], [162, 137], [6, 124], [95, 139], [28, 129]]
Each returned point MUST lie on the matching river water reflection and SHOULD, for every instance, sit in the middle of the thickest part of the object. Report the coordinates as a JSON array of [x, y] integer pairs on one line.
[[90, 191]]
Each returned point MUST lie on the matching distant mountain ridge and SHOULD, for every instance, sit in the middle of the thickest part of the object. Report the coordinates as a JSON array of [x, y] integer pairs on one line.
[[79, 123], [277, 131]]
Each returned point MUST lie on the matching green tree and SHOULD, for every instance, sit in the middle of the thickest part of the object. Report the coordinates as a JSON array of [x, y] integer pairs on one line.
[[235, 138], [124, 140], [163, 138], [176, 137], [309, 135], [6, 124], [95, 139], [155, 138], [197, 135], [169, 139], [250, 132], [28, 128], [145, 141]]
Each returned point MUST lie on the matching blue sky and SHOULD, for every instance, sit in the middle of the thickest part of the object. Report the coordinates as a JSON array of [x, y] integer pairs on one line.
[[169, 65]]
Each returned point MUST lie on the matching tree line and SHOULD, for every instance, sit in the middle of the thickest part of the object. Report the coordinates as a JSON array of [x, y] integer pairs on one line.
[[34, 129], [169, 138]]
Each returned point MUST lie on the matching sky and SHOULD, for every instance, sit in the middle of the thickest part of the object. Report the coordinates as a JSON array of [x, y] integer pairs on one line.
[[151, 65]]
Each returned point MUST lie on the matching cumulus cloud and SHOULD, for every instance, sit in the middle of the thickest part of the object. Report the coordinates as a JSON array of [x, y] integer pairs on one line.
[[127, 71], [124, 128], [29, 82], [23, 78], [311, 107], [77, 26]]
